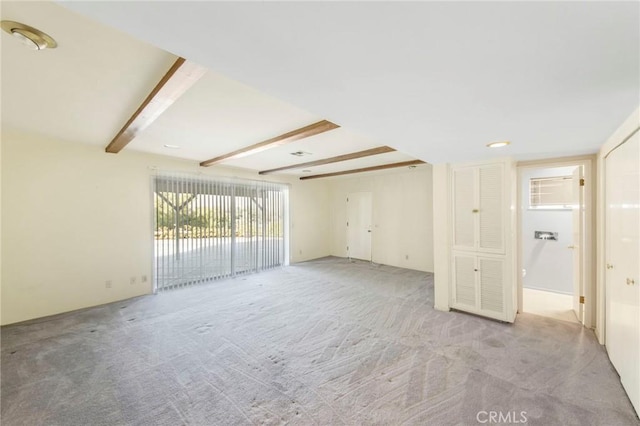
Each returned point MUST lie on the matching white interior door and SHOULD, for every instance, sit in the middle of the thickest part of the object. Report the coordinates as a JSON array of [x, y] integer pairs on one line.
[[622, 311], [577, 243], [359, 225]]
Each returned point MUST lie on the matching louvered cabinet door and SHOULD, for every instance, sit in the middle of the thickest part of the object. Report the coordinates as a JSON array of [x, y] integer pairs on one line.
[[491, 206], [481, 259], [478, 285], [464, 206], [491, 276], [464, 282]]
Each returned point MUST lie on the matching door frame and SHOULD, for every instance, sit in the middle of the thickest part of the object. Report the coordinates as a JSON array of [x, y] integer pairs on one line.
[[588, 249], [577, 229]]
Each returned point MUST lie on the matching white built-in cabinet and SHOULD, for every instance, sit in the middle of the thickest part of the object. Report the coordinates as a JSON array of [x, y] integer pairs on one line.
[[481, 262]]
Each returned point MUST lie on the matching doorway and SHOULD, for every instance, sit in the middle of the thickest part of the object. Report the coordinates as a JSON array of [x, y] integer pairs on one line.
[[554, 255], [359, 212], [207, 229]]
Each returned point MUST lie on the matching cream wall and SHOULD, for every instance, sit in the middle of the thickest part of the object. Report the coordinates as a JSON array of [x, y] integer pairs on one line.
[[74, 217], [310, 220], [441, 236], [0, 229], [402, 216]]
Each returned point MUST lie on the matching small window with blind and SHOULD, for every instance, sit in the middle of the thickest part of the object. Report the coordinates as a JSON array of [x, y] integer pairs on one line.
[[551, 193]]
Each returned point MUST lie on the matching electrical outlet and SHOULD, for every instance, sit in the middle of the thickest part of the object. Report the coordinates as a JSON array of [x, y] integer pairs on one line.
[[107, 284], [143, 279], [132, 281]]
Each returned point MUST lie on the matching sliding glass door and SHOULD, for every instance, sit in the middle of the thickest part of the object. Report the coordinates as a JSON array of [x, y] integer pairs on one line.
[[209, 229]]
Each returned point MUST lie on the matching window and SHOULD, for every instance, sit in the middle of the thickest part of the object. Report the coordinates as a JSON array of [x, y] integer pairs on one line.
[[209, 229], [551, 192]]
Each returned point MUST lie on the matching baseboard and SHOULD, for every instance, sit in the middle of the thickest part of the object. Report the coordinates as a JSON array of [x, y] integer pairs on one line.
[[548, 290]]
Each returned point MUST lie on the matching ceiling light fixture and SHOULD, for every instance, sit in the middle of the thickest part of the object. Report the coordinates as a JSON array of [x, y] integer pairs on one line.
[[31, 37], [498, 144], [171, 146]]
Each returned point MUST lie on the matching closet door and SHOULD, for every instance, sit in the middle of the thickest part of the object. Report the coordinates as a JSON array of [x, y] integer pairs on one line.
[[480, 282], [622, 312], [464, 279], [491, 275], [464, 208], [491, 208]]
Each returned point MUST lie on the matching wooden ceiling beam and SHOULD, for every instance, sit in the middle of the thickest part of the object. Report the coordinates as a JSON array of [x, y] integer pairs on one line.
[[180, 77], [304, 132], [366, 169], [344, 157]]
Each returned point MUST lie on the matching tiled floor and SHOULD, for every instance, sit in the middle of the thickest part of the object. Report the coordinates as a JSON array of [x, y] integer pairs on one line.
[[548, 304], [328, 342]]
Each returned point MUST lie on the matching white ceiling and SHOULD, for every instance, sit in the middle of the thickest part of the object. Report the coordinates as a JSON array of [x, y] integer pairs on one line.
[[437, 80], [88, 87], [218, 115], [83, 91]]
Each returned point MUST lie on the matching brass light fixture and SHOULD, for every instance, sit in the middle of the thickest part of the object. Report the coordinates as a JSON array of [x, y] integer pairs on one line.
[[31, 37]]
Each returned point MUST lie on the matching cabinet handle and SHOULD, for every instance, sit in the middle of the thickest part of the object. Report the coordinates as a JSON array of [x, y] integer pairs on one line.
[[476, 269], [609, 266], [630, 281], [475, 211]]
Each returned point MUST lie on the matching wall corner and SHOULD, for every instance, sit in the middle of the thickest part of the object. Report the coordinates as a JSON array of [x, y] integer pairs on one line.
[[441, 252]]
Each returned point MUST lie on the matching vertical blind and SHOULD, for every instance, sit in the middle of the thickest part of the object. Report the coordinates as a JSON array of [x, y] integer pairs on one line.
[[207, 229]]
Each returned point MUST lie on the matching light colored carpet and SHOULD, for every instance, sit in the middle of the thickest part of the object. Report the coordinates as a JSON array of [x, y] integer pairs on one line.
[[548, 304], [327, 342]]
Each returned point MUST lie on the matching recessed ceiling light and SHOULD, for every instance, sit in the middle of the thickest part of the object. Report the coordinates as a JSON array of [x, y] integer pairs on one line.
[[31, 37], [300, 153], [306, 171], [171, 146], [498, 144]]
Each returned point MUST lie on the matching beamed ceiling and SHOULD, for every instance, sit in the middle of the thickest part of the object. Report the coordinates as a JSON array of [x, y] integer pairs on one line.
[[306, 89]]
